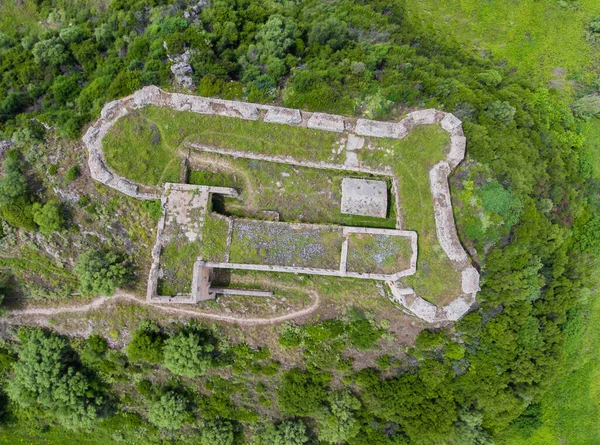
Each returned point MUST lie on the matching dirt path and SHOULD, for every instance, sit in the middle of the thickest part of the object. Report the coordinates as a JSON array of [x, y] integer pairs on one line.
[[100, 301]]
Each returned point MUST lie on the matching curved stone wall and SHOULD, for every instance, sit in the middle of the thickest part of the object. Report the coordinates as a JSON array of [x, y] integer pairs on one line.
[[444, 218]]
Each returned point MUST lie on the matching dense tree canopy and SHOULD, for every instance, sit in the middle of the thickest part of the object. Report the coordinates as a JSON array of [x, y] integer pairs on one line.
[[47, 374]]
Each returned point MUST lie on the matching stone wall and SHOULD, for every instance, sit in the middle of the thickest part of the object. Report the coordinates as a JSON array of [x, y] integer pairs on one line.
[[445, 225]]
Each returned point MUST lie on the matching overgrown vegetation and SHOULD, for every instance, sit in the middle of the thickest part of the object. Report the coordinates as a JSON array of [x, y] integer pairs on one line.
[[526, 200]]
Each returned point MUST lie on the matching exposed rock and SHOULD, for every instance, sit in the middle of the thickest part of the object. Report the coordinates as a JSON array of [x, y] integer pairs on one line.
[[183, 75], [283, 116], [329, 122], [364, 197], [444, 218]]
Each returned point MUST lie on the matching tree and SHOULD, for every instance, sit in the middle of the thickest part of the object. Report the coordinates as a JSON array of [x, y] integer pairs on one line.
[[147, 343], [48, 217], [288, 432], [338, 422], [100, 273], [169, 411], [300, 394], [50, 52], [189, 352], [14, 183], [331, 32], [501, 111], [217, 432], [47, 374]]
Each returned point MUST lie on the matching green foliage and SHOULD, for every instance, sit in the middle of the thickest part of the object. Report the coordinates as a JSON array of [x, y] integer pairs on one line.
[[72, 174], [331, 32], [189, 352], [288, 432], [339, 421], [100, 273], [147, 343], [154, 208], [455, 351], [363, 334], [13, 184], [50, 52], [430, 339], [217, 432], [49, 217], [490, 78], [499, 200], [501, 111], [588, 235], [169, 411], [47, 375], [19, 213], [301, 393]]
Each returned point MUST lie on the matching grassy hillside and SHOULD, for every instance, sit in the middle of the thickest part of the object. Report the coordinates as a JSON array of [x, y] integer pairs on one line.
[[535, 37]]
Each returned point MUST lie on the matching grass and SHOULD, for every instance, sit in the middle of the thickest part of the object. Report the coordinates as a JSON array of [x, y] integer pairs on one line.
[[134, 148], [177, 262], [412, 158], [383, 254], [300, 194], [591, 148], [144, 145], [535, 37], [214, 238], [256, 242], [15, 14], [206, 177]]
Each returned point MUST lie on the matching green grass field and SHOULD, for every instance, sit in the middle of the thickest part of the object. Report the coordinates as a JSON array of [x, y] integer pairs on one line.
[[280, 244], [378, 253], [412, 158], [534, 36], [300, 194]]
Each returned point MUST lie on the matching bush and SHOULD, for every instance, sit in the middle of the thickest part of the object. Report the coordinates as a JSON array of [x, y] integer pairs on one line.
[[288, 432], [300, 394], [189, 352], [100, 273], [48, 217], [19, 213], [147, 343], [363, 334], [72, 174], [217, 432], [169, 411]]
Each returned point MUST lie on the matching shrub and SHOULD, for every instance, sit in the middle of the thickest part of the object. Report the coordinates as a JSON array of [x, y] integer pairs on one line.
[[72, 174], [48, 217], [339, 421], [288, 432], [169, 411], [100, 273], [217, 432], [363, 334], [19, 213], [189, 352], [147, 343], [52, 169], [300, 394], [430, 339], [455, 351]]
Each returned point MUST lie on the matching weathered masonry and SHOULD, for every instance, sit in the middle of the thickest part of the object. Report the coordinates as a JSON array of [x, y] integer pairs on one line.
[[356, 130]]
